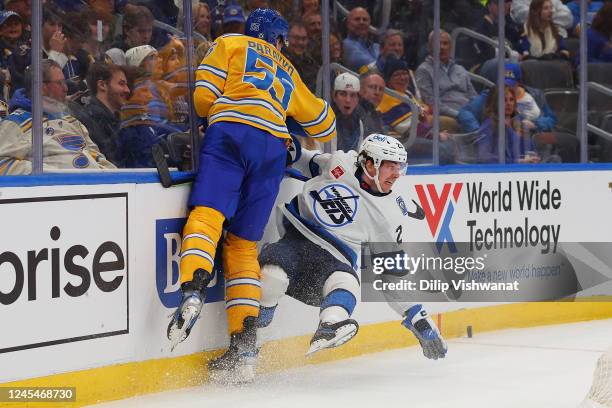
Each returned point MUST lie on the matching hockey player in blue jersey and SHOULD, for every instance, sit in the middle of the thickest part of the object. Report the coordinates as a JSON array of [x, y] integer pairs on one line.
[[349, 201], [246, 89]]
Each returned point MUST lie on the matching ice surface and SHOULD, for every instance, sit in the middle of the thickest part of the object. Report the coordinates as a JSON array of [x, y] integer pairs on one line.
[[549, 366]]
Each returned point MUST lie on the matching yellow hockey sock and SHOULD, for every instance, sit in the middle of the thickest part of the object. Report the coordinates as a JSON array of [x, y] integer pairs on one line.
[[200, 237], [242, 281]]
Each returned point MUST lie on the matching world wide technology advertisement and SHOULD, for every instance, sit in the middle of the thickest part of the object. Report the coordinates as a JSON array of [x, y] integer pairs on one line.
[[493, 238]]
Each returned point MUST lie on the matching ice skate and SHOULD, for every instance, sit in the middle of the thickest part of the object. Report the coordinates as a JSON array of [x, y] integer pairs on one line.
[[237, 365], [189, 310], [330, 335]]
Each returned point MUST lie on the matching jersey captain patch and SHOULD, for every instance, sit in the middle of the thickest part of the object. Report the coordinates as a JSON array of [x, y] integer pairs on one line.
[[335, 205], [337, 172]]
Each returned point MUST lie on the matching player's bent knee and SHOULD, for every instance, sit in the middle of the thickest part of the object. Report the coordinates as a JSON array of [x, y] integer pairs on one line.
[[274, 283], [341, 280]]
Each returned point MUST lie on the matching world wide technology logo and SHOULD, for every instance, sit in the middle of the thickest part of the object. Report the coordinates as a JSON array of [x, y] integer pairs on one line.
[[438, 213]]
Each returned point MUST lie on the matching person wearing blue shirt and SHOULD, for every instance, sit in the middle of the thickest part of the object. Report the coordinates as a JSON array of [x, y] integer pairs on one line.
[[599, 36], [359, 50], [531, 103], [519, 146], [592, 8]]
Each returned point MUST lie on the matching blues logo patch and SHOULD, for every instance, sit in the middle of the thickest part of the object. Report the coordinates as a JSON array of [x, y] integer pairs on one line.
[[73, 143]]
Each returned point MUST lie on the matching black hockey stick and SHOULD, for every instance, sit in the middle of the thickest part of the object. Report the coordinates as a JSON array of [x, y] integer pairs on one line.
[[159, 157], [161, 163]]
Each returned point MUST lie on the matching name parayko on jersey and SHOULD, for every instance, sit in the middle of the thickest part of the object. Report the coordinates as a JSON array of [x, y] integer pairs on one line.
[[274, 54]]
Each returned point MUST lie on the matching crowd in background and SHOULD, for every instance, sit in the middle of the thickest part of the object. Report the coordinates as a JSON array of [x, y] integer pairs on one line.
[[115, 76]]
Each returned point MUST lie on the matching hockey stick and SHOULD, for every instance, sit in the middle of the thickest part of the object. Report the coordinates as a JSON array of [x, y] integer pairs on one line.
[[159, 157], [161, 164]]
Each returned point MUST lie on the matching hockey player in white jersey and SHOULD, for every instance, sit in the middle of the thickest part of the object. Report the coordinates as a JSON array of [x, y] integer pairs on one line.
[[316, 261]]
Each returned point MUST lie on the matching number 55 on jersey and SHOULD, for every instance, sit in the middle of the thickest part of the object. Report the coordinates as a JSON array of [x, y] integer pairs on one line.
[[247, 80]]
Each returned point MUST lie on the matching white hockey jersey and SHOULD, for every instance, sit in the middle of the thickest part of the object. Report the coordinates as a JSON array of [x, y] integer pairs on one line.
[[336, 212]]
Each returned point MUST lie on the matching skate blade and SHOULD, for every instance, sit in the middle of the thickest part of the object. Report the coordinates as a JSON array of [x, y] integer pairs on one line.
[[343, 334], [242, 375], [177, 335]]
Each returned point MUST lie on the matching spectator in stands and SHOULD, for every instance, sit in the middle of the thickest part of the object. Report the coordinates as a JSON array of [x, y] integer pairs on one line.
[[298, 40], [77, 32], [11, 29], [200, 53], [396, 114], [335, 47], [109, 92], [314, 27], [372, 89], [561, 14], [592, 8], [24, 9], [146, 118], [66, 143], [519, 147], [14, 53], [541, 38], [163, 11], [175, 78], [359, 49], [201, 19], [64, 35], [487, 26], [409, 17], [300, 57], [455, 86], [114, 56], [233, 19], [599, 36], [137, 28], [393, 44], [349, 125], [97, 45], [310, 6], [53, 38], [530, 104], [483, 56]]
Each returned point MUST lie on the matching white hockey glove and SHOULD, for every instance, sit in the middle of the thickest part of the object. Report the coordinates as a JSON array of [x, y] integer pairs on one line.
[[418, 322]]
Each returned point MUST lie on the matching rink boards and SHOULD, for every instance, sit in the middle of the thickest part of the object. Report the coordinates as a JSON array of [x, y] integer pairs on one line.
[[89, 273]]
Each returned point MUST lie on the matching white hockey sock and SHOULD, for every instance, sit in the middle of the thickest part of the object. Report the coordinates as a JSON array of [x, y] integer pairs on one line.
[[333, 314]]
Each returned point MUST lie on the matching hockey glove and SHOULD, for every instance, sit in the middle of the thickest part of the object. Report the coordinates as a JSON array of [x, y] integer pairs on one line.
[[418, 322]]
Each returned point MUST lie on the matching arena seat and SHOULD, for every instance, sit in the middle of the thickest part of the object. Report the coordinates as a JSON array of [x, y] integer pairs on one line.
[[600, 72], [466, 148], [564, 103], [555, 74]]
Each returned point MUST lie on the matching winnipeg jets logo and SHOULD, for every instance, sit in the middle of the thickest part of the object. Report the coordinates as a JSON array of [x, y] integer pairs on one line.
[[334, 205]]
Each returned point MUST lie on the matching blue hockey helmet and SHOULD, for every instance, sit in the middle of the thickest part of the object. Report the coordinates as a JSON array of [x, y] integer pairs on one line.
[[268, 25]]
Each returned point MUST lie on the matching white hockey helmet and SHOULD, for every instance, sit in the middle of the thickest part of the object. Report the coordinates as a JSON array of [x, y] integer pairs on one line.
[[380, 147]]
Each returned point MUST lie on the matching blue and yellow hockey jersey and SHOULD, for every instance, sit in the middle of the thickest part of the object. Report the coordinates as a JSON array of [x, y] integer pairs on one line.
[[247, 80]]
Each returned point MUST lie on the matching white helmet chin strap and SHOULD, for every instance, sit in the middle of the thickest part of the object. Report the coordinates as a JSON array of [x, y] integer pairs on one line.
[[375, 178]]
